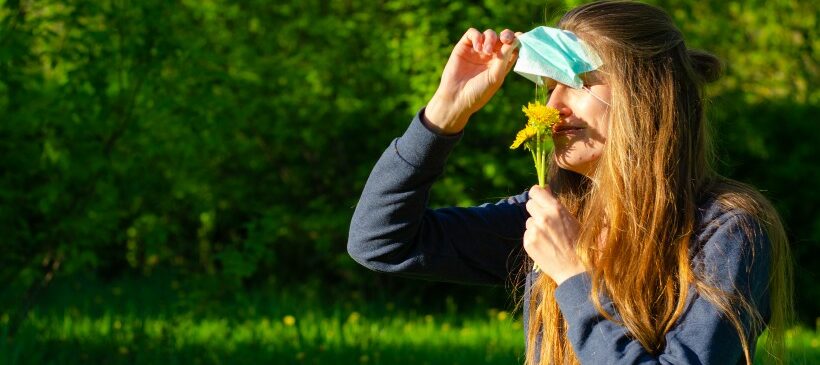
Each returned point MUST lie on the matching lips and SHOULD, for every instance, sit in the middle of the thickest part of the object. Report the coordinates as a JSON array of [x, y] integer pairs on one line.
[[566, 128]]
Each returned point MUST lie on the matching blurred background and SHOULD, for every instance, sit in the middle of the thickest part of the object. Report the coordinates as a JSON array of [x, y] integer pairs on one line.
[[177, 177]]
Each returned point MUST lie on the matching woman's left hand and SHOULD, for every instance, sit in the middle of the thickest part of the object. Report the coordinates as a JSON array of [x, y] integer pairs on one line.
[[551, 236]]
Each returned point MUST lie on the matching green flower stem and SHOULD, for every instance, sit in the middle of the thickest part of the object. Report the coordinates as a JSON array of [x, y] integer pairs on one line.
[[539, 156], [541, 159], [534, 156]]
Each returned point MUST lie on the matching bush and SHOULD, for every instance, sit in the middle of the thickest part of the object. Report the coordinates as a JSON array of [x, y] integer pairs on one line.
[[232, 140]]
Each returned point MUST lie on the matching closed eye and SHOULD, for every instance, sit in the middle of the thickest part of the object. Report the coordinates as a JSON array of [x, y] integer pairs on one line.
[[591, 78]]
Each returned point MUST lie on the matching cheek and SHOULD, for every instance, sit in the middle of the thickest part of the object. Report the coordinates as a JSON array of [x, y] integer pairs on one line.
[[595, 153], [600, 124], [585, 151], [603, 128], [579, 155]]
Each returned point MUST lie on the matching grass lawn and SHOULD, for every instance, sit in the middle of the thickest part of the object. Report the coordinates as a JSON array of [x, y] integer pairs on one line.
[[157, 322]]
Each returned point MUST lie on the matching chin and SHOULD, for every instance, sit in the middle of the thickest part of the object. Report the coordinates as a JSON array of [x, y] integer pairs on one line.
[[567, 163]]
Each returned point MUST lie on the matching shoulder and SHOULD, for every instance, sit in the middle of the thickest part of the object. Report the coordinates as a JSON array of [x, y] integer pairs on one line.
[[714, 214], [717, 216], [736, 205], [729, 244]]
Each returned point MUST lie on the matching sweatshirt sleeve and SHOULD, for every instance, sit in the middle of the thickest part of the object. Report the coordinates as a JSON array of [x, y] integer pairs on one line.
[[393, 230], [729, 258]]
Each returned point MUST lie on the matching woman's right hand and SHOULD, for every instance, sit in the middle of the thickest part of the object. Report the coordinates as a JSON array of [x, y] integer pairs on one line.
[[475, 71]]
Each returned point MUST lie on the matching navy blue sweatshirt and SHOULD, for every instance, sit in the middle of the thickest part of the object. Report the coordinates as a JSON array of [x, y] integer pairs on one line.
[[393, 231]]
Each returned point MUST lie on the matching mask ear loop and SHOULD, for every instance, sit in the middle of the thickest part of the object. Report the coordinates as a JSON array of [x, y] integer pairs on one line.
[[593, 95]]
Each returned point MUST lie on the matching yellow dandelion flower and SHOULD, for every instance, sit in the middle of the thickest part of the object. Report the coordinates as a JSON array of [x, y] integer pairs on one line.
[[502, 315], [540, 115], [289, 321], [536, 135], [523, 136]]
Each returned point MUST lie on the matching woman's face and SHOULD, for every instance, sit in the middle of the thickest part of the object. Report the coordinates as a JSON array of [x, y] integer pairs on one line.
[[580, 135]]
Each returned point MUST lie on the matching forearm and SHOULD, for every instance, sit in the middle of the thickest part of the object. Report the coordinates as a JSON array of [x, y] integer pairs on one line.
[[394, 199], [392, 229]]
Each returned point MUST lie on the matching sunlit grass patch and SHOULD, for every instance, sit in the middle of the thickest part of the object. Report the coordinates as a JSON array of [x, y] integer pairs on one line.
[[140, 324], [311, 338]]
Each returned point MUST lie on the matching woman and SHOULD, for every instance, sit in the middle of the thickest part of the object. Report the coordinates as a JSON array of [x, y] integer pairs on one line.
[[646, 254]]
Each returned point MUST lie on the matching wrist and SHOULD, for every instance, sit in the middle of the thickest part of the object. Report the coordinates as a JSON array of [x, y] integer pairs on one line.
[[560, 279], [439, 117]]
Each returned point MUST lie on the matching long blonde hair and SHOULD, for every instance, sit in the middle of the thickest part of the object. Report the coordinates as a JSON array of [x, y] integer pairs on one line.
[[656, 168]]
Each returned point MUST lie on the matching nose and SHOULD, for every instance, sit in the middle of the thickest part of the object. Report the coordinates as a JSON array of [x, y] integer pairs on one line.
[[558, 100]]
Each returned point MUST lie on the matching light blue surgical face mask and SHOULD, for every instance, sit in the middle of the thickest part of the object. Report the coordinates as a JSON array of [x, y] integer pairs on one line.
[[558, 55]]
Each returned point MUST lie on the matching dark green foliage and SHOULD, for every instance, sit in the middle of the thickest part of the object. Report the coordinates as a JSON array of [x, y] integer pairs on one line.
[[231, 140]]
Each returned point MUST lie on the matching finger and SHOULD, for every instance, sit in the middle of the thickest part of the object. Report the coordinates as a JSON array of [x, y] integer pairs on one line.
[[543, 196], [537, 211], [539, 219], [529, 241], [473, 38], [510, 59], [543, 207], [537, 194], [490, 40], [531, 205], [510, 53], [509, 47], [507, 36], [533, 243], [518, 34]]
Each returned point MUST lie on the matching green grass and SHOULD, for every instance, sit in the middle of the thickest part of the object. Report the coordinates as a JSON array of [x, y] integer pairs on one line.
[[156, 322], [115, 339], [160, 321]]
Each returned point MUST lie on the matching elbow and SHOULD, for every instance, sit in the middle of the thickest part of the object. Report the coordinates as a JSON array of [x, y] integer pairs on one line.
[[358, 249], [378, 254], [360, 240], [381, 248]]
